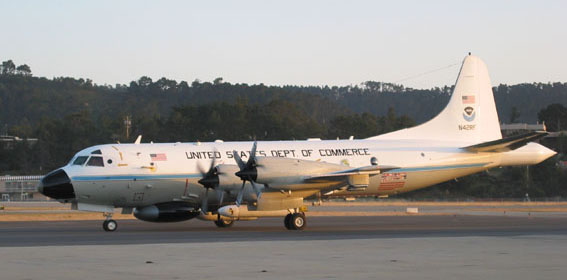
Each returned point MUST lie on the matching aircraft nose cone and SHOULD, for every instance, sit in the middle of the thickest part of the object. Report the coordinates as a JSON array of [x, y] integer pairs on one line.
[[57, 185]]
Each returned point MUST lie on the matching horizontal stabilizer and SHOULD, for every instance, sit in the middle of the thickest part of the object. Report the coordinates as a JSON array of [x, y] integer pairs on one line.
[[506, 144]]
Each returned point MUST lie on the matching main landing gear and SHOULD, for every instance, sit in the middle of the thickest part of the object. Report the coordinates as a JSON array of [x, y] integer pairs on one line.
[[109, 224], [223, 223], [295, 221]]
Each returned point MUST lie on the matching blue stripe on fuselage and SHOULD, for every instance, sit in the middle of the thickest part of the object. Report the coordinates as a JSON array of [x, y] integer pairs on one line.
[[185, 176], [134, 177]]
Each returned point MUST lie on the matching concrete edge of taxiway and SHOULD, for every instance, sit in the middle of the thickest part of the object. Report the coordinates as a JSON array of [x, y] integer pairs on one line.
[[81, 216], [50, 212]]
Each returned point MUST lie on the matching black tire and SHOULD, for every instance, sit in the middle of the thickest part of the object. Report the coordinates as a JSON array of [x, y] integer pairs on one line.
[[110, 225], [287, 224], [224, 223], [298, 221]]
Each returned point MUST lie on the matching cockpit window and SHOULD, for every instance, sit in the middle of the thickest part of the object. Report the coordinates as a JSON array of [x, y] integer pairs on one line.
[[95, 161], [80, 160], [97, 152]]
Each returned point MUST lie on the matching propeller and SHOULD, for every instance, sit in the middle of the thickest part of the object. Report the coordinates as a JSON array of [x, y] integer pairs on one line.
[[247, 172], [220, 196], [209, 180]]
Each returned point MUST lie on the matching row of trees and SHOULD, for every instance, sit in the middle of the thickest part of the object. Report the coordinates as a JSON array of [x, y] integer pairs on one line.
[[60, 139], [554, 116], [25, 98], [9, 68]]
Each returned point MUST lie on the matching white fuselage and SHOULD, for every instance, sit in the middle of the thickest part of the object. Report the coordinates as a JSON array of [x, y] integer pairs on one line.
[[131, 177]]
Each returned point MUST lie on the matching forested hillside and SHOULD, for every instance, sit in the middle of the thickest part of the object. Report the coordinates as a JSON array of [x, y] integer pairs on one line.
[[26, 99], [421, 105]]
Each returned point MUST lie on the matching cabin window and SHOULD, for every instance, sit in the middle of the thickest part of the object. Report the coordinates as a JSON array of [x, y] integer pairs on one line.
[[80, 160], [95, 161]]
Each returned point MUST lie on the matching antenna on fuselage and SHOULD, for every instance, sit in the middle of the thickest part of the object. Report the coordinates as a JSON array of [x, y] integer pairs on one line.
[[138, 140]]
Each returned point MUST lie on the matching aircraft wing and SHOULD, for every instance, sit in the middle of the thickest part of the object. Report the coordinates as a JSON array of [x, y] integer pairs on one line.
[[506, 144], [344, 174]]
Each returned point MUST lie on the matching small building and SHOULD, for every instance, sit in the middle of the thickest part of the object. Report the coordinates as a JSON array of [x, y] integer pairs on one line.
[[8, 142], [20, 188], [519, 128]]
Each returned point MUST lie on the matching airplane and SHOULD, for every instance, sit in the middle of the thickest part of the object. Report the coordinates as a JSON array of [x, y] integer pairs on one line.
[[170, 182]]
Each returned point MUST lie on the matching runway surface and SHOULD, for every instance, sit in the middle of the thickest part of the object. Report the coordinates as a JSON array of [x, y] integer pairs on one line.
[[388, 247], [56, 233]]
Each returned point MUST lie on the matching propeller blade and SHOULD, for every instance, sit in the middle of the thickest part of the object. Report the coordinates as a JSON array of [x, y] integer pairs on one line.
[[200, 168], [210, 178], [220, 197], [240, 194], [204, 202], [258, 193], [247, 172], [238, 160], [252, 160], [253, 152], [212, 169]]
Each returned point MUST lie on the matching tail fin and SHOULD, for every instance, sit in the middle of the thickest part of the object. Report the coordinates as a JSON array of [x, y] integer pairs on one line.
[[470, 115]]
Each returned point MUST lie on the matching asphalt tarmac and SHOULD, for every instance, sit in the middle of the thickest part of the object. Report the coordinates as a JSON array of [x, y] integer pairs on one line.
[[57, 233], [356, 247]]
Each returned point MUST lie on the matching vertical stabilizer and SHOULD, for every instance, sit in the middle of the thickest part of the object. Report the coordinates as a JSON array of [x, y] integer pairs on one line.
[[470, 115]]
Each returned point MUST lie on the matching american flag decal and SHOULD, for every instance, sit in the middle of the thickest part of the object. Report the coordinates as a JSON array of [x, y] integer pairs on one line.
[[158, 157], [468, 99]]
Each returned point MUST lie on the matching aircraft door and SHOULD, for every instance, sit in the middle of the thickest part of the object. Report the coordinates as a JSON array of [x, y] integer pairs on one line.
[[144, 182], [134, 186]]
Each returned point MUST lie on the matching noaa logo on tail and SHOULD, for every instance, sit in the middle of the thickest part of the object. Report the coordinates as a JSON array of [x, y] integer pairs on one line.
[[469, 114]]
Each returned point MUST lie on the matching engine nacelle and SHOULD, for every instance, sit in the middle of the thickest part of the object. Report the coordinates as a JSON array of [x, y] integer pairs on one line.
[[227, 180], [167, 212], [289, 173]]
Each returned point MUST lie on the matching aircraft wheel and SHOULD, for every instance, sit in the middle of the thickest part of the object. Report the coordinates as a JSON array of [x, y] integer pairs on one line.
[[298, 221], [224, 223], [287, 223], [110, 225]]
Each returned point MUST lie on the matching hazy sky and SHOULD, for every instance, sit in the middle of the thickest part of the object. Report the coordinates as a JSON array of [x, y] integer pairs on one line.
[[286, 42]]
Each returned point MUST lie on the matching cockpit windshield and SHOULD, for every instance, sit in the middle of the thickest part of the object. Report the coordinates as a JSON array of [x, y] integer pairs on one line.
[[95, 161], [80, 160]]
